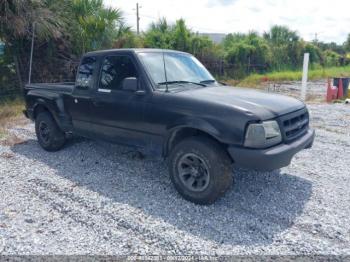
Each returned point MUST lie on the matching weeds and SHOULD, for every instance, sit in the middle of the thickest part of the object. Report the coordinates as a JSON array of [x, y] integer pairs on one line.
[[10, 110]]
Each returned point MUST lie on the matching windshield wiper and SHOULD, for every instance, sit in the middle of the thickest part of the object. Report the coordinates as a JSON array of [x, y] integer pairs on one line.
[[180, 82], [209, 81]]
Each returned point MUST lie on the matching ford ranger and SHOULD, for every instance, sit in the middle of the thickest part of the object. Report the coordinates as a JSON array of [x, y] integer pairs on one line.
[[167, 104]]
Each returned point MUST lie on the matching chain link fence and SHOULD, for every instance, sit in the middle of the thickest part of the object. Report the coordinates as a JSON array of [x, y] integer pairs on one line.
[[221, 69]]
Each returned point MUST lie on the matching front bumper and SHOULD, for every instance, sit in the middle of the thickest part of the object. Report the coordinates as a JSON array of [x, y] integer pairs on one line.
[[270, 158]]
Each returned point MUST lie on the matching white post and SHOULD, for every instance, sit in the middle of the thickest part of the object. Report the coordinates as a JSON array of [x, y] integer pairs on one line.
[[304, 80]]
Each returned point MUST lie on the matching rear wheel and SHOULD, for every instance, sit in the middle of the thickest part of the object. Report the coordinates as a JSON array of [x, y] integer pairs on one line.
[[50, 137], [200, 170]]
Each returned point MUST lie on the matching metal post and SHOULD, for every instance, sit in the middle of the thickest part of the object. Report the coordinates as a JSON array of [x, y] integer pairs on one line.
[[137, 18], [304, 79], [31, 55]]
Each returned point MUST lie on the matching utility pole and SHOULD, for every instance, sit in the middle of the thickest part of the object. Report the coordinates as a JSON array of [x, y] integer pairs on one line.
[[137, 18], [31, 55]]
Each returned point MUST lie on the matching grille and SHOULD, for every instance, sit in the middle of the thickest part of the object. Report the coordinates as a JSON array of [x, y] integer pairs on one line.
[[295, 124]]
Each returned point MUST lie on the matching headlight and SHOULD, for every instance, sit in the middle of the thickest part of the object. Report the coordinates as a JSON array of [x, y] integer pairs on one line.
[[263, 135]]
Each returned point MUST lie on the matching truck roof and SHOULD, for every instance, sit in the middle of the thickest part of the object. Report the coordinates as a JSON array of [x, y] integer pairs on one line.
[[134, 50]]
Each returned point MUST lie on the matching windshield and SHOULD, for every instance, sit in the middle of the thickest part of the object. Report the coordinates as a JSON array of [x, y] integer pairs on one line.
[[180, 69]]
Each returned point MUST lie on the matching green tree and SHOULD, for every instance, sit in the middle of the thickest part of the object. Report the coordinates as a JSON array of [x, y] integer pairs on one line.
[[331, 58], [244, 51], [97, 25], [230, 39], [203, 46], [316, 56], [179, 37], [64, 29], [17, 18], [159, 35], [16, 25], [286, 47], [125, 38], [281, 35], [347, 44], [182, 36]]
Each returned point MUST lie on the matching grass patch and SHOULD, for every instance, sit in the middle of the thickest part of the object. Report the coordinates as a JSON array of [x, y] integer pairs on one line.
[[314, 74], [10, 110]]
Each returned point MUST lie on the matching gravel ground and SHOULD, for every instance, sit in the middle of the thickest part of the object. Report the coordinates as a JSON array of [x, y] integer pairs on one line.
[[316, 90], [96, 198]]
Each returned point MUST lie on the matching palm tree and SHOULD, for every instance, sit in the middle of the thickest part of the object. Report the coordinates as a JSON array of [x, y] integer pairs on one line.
[[17, 18], [281, 35], [63, 28], [286, 47], [125, 38], [160, 35], [97, 24]]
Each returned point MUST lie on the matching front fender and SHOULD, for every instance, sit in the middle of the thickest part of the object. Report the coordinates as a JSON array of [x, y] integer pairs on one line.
[[195, 123], [192, 123]]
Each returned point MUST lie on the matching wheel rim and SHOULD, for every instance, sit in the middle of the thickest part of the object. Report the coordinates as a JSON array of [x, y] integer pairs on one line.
[[44, 132], [193, 172]]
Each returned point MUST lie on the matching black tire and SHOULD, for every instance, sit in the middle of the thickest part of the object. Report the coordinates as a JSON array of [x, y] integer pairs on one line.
[[211, 184], [49, 135]]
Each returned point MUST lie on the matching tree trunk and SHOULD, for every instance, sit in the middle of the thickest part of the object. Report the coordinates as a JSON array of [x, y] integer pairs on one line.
[[18, 71]]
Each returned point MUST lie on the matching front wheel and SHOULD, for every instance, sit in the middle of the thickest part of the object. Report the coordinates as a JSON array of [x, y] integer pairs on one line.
[[200, 170], [50, 137]]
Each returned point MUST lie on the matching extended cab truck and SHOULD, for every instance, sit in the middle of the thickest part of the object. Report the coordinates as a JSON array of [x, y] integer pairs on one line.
[[166, 103]]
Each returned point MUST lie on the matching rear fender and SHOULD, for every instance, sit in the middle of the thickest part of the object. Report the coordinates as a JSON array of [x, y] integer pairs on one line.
[[55, 108]]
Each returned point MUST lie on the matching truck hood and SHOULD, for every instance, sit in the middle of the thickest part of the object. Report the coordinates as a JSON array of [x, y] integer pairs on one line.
[[253, 102]]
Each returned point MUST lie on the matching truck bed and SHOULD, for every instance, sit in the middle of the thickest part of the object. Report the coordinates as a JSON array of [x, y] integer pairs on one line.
[[64, 87]]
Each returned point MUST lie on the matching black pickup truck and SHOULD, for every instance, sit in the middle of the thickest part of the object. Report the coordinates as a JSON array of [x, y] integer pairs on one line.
[[166, 103]]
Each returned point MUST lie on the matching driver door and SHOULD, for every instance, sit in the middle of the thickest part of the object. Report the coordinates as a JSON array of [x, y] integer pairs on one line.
[[117, 114]]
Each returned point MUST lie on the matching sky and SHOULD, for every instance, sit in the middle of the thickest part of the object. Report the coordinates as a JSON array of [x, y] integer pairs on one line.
[[329, 20]]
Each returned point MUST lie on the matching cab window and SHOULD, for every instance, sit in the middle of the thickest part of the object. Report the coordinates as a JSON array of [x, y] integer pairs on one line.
[[114, 70]]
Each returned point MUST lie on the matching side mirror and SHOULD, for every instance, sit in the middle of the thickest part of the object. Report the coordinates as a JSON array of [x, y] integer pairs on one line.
[[130, 84]]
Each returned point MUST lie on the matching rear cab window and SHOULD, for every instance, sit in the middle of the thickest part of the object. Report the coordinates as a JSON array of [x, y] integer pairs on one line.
[[87, 67]]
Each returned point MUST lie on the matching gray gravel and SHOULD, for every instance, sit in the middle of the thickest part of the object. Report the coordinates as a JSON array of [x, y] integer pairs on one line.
[[96, 198], [316, 90]]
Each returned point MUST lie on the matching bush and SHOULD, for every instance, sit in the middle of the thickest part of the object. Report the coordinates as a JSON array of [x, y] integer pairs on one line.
[[331, 58]]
